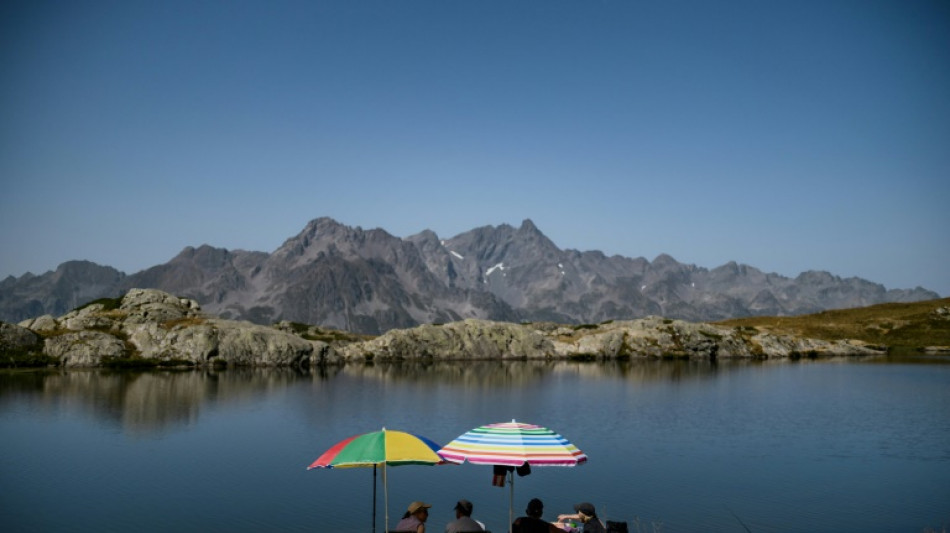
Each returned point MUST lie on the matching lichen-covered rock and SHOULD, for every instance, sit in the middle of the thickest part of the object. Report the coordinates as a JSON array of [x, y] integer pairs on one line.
[[196, 342], [154, 325], [649, 337], [89, 317], [42, 323], [14, 337], [788, 346], [84, 348], [469, 339], [247, 344], [324, 354], [141, 306], [222, 341]]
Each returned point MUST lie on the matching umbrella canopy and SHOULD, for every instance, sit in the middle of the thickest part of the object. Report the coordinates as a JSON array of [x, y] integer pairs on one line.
[[380, 448], [512, 444]]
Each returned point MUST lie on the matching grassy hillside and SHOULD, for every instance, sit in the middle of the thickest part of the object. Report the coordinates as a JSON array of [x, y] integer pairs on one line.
[[901, 327]]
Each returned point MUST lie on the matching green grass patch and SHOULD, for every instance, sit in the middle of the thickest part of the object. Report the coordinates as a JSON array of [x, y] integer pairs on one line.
[[582, 357], [329, 336], [175, 362], [26, 358], [128, 362], [710, 335], [108, 304]]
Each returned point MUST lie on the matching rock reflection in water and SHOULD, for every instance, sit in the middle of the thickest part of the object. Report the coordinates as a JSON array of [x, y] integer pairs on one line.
[[156, 401], [503, 374], [143, 402]]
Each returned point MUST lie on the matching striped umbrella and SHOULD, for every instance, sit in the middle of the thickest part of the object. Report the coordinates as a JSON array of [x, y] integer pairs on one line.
[[512, 444], [380, 448]]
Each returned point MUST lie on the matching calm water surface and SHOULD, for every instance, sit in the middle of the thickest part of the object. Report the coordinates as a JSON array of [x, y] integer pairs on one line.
[[673, 446]]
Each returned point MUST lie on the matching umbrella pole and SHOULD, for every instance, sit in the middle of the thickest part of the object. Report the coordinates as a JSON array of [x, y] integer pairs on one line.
[[385, 498], [511, 500], [374, 499]]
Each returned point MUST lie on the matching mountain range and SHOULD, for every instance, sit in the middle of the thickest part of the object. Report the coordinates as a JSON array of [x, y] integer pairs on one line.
[[369, 281]]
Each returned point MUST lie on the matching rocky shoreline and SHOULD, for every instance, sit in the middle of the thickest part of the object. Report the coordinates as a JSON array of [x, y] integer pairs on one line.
[[152, 327]]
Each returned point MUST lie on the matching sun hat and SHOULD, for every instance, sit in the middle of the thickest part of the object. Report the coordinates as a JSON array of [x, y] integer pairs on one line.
[[415, 506]]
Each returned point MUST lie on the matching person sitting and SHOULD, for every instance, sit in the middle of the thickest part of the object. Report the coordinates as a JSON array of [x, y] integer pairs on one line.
[[584, 513], [464, 523], [532, 523], [415, 518]]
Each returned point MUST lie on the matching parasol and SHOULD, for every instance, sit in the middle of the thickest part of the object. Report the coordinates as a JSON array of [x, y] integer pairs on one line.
[[512, 444], [380, 448]]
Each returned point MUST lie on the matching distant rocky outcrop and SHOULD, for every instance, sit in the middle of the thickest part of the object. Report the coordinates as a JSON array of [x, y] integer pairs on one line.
[[368, 281], [151, 326], [651, 337]]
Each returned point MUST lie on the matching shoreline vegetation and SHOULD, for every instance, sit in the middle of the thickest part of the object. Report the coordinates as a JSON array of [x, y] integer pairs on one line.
[[905, 328], [147, 328]]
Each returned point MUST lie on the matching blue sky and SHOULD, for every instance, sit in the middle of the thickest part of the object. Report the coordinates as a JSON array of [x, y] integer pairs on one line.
[[790, 136]]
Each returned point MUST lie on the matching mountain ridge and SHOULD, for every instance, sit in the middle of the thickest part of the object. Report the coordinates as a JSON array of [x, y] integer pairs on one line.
[[369, 281]]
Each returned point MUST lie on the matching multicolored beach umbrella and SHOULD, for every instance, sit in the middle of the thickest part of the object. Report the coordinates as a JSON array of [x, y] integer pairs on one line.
[[512, 444], [380, 448]]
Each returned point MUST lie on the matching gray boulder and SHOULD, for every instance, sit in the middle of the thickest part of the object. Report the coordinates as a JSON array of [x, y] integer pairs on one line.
[[156, 326], [468, 339], [84, 348], [14, 337], [43, 323]]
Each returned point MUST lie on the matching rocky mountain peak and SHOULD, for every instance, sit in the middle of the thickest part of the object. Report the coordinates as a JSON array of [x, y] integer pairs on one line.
[[527, 226], [369, 281], [205, 256], [318, 236], [663, 261]]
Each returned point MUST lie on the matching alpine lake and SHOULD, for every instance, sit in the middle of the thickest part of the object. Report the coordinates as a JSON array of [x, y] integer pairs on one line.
[[674, 446]]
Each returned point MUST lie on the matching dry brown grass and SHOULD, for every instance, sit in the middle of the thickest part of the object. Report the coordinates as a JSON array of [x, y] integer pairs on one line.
[[184, 322], [901, 326]]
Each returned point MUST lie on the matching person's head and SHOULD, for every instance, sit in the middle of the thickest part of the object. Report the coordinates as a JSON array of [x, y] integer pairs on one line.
[[420, 510], [463, 508], [586, 511], [535, 508]]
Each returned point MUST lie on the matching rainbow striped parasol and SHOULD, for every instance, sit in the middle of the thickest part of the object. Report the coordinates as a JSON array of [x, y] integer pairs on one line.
[[512, 444]]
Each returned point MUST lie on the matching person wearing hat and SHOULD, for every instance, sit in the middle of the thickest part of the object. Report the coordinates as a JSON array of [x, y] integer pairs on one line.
[[463, 522], [532, 523], [585, 514], [415, 518]]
